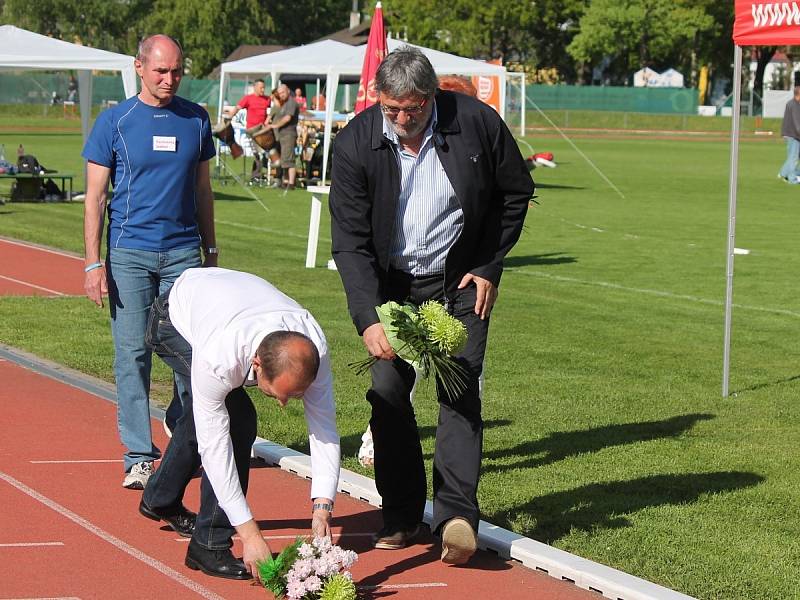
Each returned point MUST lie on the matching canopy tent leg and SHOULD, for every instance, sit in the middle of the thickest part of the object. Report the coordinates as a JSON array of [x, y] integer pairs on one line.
[[734, 173]]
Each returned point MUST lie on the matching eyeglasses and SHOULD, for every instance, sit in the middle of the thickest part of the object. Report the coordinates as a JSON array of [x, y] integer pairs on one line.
[[411, 111]]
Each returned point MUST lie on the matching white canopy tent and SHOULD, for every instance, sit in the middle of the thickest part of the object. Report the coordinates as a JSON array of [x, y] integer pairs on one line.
[[24, 50], [334, 59]]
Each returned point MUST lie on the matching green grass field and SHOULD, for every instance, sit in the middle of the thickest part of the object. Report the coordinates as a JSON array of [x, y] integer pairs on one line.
[[606, 432]]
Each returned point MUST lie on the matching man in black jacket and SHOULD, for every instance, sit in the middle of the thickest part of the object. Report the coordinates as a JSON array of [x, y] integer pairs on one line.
[[429, 193]]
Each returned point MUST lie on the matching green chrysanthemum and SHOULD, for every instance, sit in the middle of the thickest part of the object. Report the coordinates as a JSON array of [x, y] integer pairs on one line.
[[427, 338], [447, 332], [338, 587], [273, 571]]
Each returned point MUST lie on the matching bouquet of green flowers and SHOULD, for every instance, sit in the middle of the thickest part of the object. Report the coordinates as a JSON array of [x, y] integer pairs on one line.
[[427, 337], [310, 571]]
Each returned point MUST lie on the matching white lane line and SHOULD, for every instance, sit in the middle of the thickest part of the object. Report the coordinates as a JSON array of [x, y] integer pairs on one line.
[[113, 540], [39, 248], [268, 230], [30, 544], [660, 293], [401, 586], [69, 462], [33, 285]]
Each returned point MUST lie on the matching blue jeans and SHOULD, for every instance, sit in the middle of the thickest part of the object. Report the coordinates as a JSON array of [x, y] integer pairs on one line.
[[165, 489], [135, 278], [789, 169]]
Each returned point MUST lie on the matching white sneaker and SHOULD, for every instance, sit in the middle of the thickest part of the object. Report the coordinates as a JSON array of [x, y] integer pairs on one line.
[[138, 476], [366, 454]]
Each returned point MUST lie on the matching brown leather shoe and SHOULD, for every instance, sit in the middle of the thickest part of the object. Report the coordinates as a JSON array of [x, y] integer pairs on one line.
[[395, 539], [459, 541]]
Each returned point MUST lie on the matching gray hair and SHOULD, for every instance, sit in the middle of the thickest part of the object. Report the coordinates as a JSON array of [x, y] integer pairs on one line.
[[406, 72], [147, 43]]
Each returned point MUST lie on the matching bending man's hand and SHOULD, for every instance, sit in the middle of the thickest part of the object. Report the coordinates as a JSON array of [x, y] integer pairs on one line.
[[377, 343], [485, 296], [255, 548], [321, 523], [96, 285]]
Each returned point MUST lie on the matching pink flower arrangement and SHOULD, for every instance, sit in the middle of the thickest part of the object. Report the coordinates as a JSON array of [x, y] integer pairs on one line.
[[310, 571]]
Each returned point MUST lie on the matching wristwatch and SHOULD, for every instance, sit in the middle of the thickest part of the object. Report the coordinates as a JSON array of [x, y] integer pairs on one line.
[[211, 250], [323, 505]]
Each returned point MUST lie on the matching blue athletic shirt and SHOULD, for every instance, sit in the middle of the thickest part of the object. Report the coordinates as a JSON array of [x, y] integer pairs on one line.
[[153, 153]]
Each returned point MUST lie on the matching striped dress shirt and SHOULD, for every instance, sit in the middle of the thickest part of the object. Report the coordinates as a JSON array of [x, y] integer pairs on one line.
[[429, 218]]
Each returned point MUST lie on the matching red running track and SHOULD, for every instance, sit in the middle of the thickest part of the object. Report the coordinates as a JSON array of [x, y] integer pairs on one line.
[[69, 530], [28, 270]]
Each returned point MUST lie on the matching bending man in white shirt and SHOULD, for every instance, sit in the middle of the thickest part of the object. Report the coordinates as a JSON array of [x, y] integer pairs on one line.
[[224, 330]]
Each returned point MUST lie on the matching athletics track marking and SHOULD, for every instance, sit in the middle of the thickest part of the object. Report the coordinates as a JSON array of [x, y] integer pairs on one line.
[[111, 539], [33, 285]]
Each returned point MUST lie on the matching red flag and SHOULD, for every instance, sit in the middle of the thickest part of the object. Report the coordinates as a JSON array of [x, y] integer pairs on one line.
[[376, 51], [766, 23]]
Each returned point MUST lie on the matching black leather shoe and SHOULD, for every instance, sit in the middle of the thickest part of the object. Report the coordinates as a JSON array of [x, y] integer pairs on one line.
[[181, 521], [217, 563]]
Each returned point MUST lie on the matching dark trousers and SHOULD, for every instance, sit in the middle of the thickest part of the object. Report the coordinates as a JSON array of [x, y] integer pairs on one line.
[[399, 468], [180, 461]]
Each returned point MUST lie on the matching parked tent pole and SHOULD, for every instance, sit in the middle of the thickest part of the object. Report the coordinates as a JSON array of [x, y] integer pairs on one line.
[[522, 120], [737, 101]]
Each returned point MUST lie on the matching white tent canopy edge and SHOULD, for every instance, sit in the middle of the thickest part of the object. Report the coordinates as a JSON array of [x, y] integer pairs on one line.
[[24, 50], [335, 59]]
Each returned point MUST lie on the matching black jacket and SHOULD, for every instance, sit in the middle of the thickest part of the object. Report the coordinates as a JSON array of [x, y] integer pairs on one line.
[[485, 168]]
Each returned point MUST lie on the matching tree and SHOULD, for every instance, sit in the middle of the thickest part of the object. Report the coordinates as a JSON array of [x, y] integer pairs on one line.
[[102, 24], [209, 30], [637, 33], [498, 29], [301, 21], [555, 24]]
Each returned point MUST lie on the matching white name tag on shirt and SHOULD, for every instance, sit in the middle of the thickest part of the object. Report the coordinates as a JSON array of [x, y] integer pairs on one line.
[[164, 143]]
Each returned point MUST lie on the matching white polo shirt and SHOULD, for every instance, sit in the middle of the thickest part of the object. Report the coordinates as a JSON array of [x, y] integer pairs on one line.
[[224, 315]]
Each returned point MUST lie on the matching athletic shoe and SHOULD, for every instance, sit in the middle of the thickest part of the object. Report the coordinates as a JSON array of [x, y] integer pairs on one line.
[[395, 539], [138, 476], [459, 541], [366, 453]]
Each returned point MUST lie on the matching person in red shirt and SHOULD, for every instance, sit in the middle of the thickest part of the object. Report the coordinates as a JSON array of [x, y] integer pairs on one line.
[[300, 99], [257, 105]]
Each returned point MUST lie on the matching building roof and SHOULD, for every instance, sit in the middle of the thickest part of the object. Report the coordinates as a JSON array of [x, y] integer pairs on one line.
[[354, 37], [246, 51]]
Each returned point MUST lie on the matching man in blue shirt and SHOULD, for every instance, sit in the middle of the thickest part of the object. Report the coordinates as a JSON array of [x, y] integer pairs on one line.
[[154, 148]]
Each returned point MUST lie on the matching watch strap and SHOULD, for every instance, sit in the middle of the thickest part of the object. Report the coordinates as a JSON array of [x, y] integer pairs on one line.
[[323, 505]]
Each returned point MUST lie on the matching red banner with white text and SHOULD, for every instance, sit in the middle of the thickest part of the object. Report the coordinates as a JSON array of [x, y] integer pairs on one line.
[[376, 51], [766, 23]]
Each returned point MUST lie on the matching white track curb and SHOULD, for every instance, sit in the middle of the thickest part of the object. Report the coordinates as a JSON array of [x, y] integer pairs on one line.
[[537, 556]]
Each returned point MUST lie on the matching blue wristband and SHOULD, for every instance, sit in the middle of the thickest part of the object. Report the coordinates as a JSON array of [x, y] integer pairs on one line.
[[92, 267]]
